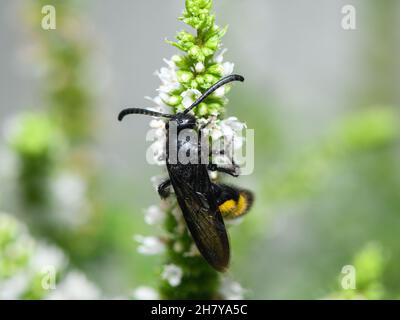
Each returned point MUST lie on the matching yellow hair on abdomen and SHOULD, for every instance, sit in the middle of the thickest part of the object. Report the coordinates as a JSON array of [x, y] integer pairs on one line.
[[234, 209], [227, 207], [242, 206]]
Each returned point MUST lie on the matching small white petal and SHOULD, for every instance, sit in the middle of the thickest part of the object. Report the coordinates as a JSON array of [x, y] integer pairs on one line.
[[69, 192], [228, 68], [235, 124], [220, 92], [149, 245], [14, 287], [171, 64], [199, 67], [172, 274], [220, 57], [154, 215], [157, 124], [190, 96], [231, 290], [161, 106]]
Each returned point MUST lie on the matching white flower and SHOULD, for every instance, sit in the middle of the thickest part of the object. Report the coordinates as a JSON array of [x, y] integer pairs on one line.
[[145, 293], [149, 245], [220, 58], [69, 191], [234, 123], [168, 77], [75, 286], [154, 215], [199, 67], [14, 287], [228, 68], [158, 150], [231, 290], [157, 124], [160, 105], [220, 92], [171, 64], [190, 96], [48, 256], [172, 274]]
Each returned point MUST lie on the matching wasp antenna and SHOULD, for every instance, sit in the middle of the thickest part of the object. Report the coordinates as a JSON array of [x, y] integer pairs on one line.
[[146, 112], [214, 87]]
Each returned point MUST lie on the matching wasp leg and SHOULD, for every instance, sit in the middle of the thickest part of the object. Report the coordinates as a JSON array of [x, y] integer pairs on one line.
[[232, 170], [164, 189]]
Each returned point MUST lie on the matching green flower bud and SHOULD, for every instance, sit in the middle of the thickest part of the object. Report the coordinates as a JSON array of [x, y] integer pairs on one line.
[[185, 36], [215, 108], [202, 109], [207, 52], [194, 84], [216, 70], [184, 76], [200, 80], [174, 100], [210, 79], [213, 42], [196, 54], [35, 135]]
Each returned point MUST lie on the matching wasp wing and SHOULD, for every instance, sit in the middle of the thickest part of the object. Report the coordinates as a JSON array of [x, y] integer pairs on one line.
[[199, 207]]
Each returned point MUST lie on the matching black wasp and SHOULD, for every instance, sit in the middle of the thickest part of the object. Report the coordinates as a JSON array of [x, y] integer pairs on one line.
[[203, 203]]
